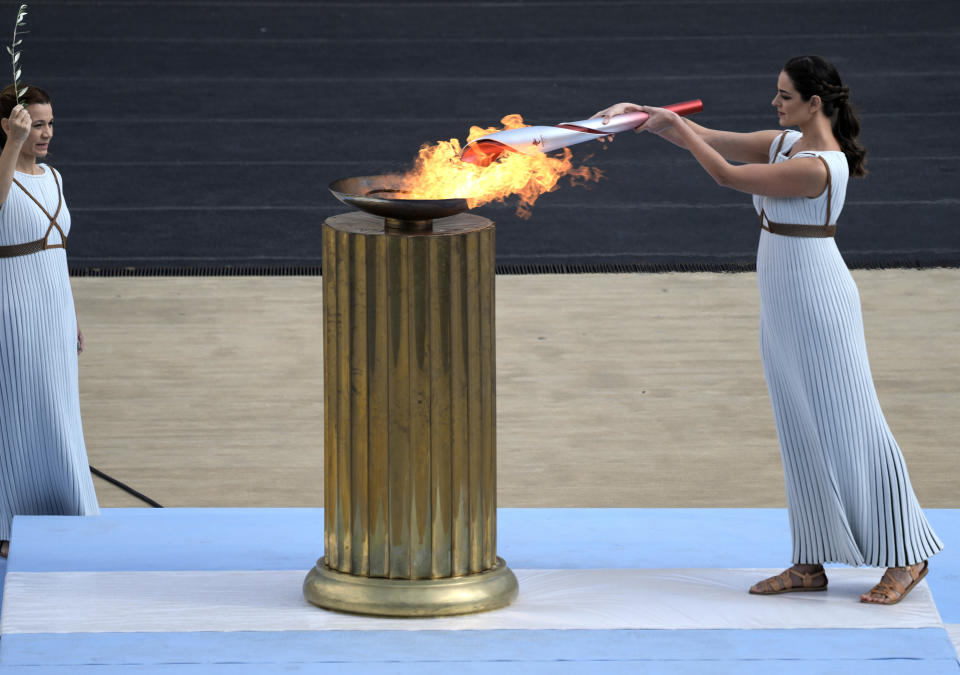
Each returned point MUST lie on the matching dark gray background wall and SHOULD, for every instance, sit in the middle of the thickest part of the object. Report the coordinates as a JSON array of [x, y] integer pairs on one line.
[[204, 133]]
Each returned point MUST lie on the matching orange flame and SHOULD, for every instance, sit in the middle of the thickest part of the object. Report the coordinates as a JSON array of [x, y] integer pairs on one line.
[[439, 173]]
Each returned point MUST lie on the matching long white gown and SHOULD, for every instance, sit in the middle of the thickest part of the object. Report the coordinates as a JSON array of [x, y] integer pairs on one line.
[[43, 458], [848, 492]]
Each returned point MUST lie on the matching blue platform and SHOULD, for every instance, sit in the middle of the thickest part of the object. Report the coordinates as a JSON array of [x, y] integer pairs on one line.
[[142, 540]]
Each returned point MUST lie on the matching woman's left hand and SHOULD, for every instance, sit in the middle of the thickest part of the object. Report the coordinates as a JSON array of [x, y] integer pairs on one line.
[[80, 342], [616, 109]]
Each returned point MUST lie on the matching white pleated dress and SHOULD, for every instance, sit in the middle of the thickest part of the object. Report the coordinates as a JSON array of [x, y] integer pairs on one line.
[[43, 458], [848, 492]]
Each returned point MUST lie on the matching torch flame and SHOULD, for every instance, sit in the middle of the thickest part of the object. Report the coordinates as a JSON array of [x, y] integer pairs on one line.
[[439, 173]]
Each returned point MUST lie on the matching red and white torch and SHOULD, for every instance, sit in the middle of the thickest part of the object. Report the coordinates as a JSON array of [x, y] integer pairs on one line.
[[531, 140]]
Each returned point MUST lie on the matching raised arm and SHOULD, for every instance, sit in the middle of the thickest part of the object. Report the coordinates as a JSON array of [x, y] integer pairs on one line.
[[736, 147], [17, 128]]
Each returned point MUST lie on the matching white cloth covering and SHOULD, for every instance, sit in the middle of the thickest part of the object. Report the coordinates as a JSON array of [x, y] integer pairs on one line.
[[606, 599]]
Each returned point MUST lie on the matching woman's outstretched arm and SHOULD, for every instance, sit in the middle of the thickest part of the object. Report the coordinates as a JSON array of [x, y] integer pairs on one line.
[[736, 147], [800, 177]]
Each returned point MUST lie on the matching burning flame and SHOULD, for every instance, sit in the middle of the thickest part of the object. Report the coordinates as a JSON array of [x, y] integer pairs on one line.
[[439, 173]]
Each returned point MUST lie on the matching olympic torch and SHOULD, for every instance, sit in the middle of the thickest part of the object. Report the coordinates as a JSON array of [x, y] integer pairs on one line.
[[531, 140]]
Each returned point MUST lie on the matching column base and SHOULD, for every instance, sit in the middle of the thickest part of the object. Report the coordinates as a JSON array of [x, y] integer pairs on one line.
[[376, 596]]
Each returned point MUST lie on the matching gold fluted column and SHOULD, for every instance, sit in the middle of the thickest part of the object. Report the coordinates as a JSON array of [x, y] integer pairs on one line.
[[410, 420]]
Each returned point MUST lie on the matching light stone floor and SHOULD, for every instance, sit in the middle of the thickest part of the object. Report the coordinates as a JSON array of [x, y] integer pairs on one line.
[[612, 390]]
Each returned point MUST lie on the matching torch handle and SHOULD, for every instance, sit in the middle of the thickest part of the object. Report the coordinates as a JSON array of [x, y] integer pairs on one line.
[[686, 108]]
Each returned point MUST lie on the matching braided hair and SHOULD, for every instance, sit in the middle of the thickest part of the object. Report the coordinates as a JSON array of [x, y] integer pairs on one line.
[[8, 101], [816, 76]]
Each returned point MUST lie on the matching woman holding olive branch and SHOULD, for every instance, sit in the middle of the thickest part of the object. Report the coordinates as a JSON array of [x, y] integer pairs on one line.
[[43, 458]]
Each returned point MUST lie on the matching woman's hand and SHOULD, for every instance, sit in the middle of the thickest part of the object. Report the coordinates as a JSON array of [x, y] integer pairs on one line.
[[659, 120], [614, 110], [18, 125]]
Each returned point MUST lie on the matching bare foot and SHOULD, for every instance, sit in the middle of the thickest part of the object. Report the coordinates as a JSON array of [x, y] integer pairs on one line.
[[895, 584], [792, 580]]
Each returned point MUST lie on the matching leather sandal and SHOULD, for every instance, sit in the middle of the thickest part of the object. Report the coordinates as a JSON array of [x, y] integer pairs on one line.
[[791, 581], [891, 590]]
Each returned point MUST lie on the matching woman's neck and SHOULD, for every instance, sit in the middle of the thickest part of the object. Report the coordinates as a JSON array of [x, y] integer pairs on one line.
[[818, 134], [27, 165]]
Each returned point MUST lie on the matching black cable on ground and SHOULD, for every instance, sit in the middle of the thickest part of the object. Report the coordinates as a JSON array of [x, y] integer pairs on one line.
[[123, 486]]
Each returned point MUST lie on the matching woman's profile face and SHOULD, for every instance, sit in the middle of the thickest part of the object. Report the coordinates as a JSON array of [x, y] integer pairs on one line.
[[790, 107], [41, 131]]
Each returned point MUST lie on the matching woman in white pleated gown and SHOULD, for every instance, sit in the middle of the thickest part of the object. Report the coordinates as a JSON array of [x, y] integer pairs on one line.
[[848, 492], [43, 459]]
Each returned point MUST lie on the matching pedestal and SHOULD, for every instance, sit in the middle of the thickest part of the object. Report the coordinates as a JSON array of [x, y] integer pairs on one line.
[[410, 420]]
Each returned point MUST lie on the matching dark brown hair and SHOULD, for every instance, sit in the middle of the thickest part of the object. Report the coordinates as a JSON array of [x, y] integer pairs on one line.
[[8, 101], [815, 76]]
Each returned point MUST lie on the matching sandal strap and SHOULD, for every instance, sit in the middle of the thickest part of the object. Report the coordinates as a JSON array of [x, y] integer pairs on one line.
[[887, 591], [890, 582], [921, 570], [785, 579], [806, 578]]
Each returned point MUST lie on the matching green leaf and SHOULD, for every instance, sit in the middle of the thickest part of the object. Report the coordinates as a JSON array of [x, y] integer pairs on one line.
[[16, 57], [22, 91], [10, 51], [17, 43], [16, 75]]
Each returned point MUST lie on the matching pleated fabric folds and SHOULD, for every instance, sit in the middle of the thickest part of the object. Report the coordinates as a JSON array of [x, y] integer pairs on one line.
[[849, 495], [43, 458]]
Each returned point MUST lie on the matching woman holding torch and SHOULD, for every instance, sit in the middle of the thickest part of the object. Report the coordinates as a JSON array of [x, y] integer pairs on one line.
[[43, 459], [848, 493]]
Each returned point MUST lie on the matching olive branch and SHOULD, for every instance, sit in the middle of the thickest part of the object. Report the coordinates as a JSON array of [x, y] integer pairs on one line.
[[14, 54]]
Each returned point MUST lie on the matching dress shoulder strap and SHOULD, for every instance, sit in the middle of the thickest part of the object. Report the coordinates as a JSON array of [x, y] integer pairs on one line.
[[52, 218], [783, 137], [826, 166], [788, 230]]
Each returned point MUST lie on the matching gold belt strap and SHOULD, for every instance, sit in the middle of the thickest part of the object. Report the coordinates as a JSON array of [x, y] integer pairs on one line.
[[40, 244]]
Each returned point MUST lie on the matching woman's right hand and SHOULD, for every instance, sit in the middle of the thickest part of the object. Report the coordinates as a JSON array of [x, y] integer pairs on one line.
[[18, 125], [616, 109]]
